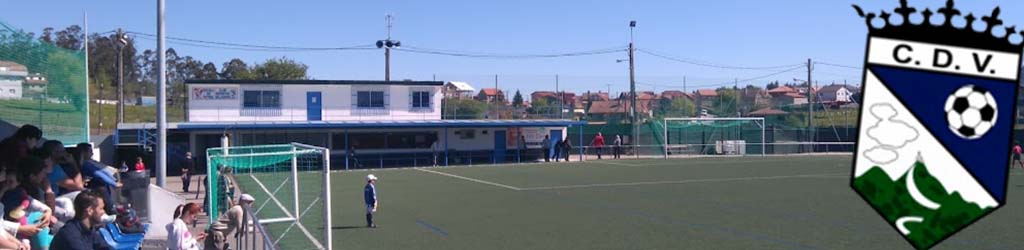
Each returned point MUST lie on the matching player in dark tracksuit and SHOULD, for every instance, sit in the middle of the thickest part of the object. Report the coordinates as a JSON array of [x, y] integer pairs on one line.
[[370, 198]]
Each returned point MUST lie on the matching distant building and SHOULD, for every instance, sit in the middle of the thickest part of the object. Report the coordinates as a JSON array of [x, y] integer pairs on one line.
[[617, 110], [837, 94], [12, 77], [458, 90], [705, 97], [676, 94], [489, 95], [35, 85], [790, 99]]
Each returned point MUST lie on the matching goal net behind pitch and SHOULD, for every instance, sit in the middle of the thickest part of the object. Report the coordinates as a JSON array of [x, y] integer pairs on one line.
[[713, 136], [289, 183]]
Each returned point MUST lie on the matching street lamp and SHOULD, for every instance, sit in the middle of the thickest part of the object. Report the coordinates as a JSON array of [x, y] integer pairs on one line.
[[122, 41], [387, 44]]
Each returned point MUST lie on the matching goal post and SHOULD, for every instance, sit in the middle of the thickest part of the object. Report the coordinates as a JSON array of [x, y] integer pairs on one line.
[[291, 186], [725, 135]]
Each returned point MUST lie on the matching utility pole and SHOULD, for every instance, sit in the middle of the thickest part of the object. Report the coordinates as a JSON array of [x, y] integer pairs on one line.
[[387, 44], [122, 40], [497, 115], [736, 90], [632, 92], [810, 105]]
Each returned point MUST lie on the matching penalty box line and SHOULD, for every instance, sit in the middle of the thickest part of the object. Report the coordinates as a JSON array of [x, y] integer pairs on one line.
[[824, 175]]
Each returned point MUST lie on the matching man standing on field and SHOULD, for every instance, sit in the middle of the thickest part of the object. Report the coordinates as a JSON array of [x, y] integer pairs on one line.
[[370, 198]]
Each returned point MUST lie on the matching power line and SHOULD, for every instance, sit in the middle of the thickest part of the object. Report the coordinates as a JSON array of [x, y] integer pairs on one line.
[[752, 78], [710, 65], [837, 65], [443, 52], [250, 47]]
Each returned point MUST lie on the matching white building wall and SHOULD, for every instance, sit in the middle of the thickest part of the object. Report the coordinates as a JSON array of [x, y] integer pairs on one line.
[[337, 103], [10, 89]]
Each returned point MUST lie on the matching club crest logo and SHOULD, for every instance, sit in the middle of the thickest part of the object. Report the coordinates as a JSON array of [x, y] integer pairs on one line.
[[936, 118]]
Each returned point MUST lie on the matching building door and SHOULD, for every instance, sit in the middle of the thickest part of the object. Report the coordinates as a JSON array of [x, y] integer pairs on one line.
[[314, 106], [556, 136], [499, 146]]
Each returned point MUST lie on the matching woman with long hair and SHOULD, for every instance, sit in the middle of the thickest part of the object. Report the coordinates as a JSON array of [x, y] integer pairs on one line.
[[178, 236]]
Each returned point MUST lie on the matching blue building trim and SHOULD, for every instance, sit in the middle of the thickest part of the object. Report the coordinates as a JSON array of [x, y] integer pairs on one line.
[[379, 124]]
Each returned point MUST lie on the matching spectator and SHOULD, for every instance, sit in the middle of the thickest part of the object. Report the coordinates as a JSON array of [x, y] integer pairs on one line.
[[16, 147], [435, 149], [617, 147], [100, 180], [178, 236], [82, 232], [25, 203], [566, 149], [559, 146], [187, 168], [139, 166], [229, 224], [521, 146], [64, 177], [8, 182], [598, 144], [546, 147]]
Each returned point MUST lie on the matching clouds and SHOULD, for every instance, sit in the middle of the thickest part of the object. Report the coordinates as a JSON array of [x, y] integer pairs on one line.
[[890, 134]]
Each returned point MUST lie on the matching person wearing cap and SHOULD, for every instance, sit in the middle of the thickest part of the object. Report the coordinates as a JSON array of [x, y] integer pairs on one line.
[[370, 198], [228, 224]]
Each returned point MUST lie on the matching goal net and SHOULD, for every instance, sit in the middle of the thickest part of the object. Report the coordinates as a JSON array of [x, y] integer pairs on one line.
[[290, 183], [713, 136]]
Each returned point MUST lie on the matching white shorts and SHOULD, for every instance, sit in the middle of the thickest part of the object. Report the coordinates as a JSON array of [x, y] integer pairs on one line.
[[370, 209]]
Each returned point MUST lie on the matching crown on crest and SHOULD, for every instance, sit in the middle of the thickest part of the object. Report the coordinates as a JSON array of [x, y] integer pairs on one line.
[[945, 32]]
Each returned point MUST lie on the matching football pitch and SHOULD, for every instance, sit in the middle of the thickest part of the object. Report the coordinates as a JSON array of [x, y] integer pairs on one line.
[[777, 202]]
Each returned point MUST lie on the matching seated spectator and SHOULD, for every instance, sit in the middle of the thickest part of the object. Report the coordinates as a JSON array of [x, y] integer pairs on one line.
[[178, 236], [82, 232], [16, 147], [24, 203], [99, 179], [8, 182], [65, 176]]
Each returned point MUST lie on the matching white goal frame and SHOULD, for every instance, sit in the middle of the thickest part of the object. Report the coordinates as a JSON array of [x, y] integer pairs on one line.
[[664, 128], [293, 215]]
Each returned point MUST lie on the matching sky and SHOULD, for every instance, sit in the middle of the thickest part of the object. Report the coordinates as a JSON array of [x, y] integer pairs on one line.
[[723, 32]]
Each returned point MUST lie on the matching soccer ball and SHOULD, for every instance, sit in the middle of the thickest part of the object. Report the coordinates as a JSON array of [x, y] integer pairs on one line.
[[971, 112]]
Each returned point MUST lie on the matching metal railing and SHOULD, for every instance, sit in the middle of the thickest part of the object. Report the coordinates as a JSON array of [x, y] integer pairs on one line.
[[257, 238]]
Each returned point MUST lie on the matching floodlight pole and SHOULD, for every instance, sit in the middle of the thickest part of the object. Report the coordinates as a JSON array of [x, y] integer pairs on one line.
[[632, 93], [161, 93], [120, 75]]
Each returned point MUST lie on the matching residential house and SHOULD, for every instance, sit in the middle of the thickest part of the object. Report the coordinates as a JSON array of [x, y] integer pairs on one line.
[[782, 90], [489, 95], [755, 98], [790, 99], [705, 97], [674, 94], [836, 94], [12, 77], [568, 98], [458, 90]]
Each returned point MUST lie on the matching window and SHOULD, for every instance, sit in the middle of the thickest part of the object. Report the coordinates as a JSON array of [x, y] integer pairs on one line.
[[261, 99], [421, 99], [370, 99]]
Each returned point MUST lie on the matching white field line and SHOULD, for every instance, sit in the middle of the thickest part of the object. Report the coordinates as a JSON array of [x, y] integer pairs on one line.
[[267, 202], [471, 179], [285, 210], [617, 163], [681, 181], [297, 223]]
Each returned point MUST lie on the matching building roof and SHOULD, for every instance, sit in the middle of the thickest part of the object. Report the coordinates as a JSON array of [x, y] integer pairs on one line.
[[11, 67], [462, 86], [767, 112], [706, 92], [355, 124], [315, 82], [782, 89], [835, 87], [794, 95], [490, 91], [611, 107], [673, 94]]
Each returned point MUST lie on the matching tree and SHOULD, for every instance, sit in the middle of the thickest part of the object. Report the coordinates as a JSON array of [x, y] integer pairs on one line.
[[208, 72], [236, 69], [464, 109], [726, 105], [679, 107], [540, 106], [280, 69], [70, 38], [772, 85], [517, 100]]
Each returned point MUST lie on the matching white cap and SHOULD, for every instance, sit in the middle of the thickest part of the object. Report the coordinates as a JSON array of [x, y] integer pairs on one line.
[[371, 177], [246, 197]]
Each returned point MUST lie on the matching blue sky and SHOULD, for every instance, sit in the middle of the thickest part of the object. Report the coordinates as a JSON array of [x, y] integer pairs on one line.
[[724, 32]]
